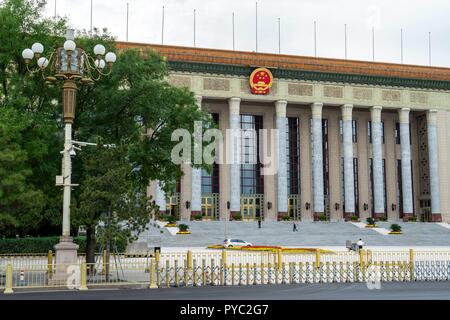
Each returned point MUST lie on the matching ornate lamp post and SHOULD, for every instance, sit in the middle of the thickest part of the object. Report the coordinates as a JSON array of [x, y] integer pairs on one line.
[[72, 66]]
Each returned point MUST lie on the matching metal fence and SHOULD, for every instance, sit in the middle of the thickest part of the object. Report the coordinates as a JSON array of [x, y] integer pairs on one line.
[[229, 268]]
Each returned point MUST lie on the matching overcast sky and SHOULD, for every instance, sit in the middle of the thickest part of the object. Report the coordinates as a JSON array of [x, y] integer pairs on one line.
[[214, 25]]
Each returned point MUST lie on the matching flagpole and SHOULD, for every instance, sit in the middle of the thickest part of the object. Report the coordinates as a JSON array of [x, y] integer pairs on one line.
[[429, 47], [162, 26], [279, 36], [232, 21], [345, 40], [373, 43], [315, 38], [256, 34], [401, 45], [194, 27], [91, 15], [128, 9], [55, 10]]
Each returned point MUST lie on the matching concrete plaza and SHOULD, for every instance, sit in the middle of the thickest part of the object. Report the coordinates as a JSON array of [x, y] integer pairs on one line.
[[324, 234]]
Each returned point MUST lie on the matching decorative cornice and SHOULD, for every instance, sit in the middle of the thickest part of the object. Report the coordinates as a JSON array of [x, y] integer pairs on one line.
[[236, 70]]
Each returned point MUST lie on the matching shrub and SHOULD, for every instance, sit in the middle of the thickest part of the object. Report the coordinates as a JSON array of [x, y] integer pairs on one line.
[[370, 221], [396, 228], [163, 217], [383, 219], [412, 219], [171, 219], [323, 217], [237, 217], [183, 227], [198, 217], [354, 218], [44, 244], [286, 218]]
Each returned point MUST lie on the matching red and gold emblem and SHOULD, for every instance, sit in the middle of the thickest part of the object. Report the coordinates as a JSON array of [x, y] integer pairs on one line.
[[261, 81]]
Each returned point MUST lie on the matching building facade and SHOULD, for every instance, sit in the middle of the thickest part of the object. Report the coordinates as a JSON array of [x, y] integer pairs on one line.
[[356, 139]]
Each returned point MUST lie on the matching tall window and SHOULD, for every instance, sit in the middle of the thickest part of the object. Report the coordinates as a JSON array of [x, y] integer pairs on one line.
[[293, 152], [252, 182], [354, 131], [326, 171], [210, 181], [369, 131]]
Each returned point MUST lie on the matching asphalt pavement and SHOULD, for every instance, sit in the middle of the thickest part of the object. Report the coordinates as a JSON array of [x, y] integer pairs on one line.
[[335, 291]]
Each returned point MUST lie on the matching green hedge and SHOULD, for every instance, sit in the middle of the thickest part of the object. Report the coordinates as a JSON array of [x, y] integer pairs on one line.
[[42, 245]]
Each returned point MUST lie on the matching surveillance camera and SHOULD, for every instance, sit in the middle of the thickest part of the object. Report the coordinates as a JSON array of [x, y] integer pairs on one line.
[[72, 153]]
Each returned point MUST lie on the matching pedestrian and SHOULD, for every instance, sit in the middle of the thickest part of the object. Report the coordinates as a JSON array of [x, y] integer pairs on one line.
[[259, 223], [360, 244], [294, 228]]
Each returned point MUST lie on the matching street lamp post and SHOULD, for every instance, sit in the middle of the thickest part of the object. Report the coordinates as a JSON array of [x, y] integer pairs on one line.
[[72, 66]]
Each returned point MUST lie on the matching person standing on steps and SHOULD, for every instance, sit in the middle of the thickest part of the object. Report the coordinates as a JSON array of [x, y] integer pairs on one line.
[[294, 228], [259, 223]]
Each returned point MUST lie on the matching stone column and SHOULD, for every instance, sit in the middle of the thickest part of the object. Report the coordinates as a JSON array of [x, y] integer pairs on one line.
[[434, 166], [349, 174], [282, 191], [235, 156], [317, 160], [160, 198], [196, 202], [405, 147], [377, 168]]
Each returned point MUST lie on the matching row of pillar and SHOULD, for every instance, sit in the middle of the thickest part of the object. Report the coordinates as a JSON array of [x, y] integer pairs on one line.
[[318, 158]]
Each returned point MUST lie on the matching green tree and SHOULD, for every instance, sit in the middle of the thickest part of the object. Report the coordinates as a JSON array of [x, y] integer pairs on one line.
[[118, 109], [29, 117], [20, 202], [110, 199]]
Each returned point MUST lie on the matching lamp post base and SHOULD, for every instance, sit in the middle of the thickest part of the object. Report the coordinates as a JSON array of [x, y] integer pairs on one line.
[[67, 269]]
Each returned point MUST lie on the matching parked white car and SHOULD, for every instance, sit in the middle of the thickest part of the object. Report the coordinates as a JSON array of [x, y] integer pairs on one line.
[[227, 243]]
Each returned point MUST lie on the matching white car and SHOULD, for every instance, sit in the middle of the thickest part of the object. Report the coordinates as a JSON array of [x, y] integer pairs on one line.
[[227, 243]]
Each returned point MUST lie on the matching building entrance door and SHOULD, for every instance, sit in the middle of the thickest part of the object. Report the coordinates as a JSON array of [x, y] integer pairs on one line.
[[173, 205], [210, 206], [294, 207], [251, 207]]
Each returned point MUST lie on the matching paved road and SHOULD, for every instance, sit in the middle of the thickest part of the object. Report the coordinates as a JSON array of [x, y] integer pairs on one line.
[[388, 291]]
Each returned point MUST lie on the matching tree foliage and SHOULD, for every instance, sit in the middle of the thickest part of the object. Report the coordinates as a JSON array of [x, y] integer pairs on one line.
[[118, 109]]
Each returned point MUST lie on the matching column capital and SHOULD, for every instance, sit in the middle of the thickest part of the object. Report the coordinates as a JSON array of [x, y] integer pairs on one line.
[[316, 109], [234, 104], [432, 116], [375, 112], [403, 115], [347, 111], [280, 106]]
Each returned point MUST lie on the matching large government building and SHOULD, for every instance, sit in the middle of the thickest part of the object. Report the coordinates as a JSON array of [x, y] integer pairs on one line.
[[357, 139]]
